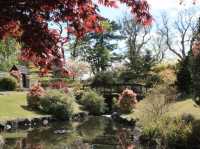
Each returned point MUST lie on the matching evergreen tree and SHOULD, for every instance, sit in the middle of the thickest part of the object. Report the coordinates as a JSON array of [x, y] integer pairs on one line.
[[97, 48], [195, 63], [184, 78]]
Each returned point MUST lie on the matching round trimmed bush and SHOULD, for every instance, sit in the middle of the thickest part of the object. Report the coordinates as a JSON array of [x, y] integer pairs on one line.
[[8, 84], [58, 104], [93, 102]]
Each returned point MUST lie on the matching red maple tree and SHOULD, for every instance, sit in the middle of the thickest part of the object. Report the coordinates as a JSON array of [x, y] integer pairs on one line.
[[28, 22]]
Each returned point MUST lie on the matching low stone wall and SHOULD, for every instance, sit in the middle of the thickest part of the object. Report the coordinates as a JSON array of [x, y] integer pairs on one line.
[[25, 123], [36, 122]]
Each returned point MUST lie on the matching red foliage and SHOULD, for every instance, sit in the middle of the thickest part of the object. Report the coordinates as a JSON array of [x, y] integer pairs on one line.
[[127, 93], [65, 72], [27, 21], [36, 90], [58, 85]]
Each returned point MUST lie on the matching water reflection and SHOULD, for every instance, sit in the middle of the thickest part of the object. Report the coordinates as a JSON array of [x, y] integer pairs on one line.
[[95, 133]]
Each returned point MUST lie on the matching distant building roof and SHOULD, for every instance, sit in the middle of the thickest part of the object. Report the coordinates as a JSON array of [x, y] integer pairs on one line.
[[22, 69]]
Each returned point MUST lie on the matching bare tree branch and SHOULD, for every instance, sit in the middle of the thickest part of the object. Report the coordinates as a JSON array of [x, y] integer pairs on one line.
[[178, 36], [137, 36]]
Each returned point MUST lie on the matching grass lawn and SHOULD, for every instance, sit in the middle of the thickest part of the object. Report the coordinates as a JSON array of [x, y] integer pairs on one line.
[[187, 106], [13, 106], [178, 108]]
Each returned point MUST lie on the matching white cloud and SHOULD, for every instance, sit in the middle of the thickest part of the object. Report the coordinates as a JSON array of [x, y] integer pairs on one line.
[[162, 4]]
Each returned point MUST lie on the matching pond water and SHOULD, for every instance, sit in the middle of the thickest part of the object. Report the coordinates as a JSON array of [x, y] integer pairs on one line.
[[94, 133]]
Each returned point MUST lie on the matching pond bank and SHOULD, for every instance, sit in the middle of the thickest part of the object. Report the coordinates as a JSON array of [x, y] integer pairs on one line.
[[25, 123], [37, 121]]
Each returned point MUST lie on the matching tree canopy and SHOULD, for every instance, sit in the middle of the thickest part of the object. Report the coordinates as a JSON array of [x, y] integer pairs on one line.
[[9, 50], [28, 22], [98, 48]]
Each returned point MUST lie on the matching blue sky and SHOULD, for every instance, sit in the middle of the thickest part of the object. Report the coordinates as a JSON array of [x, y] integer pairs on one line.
[[156, 7]]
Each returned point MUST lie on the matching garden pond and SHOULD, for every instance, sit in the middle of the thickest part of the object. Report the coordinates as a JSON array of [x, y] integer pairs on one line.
[[94, 133]]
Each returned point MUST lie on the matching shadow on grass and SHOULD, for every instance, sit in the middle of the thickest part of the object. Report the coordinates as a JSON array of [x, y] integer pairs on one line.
[[36, 110], [184, 97]]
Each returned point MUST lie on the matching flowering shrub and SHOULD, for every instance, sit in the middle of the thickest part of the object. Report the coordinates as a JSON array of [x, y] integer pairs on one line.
[[36, 90], [127, 101], [59, 85], [33, 97], [93, 102]]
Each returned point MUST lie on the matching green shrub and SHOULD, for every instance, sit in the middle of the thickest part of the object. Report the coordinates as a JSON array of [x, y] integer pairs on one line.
[[105, 79], [115, 105], [151, 135], [33, 101], [8, 84], [78, 94], [160, 129], [58, 104], [162, 67], [128, 76], [194, 139], [93, 102], [153, 80], [173, 133], [177, 134]]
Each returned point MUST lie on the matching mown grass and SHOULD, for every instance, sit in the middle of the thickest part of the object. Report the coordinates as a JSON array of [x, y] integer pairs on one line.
[[187, 106], [178, 108], [13, 106]]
